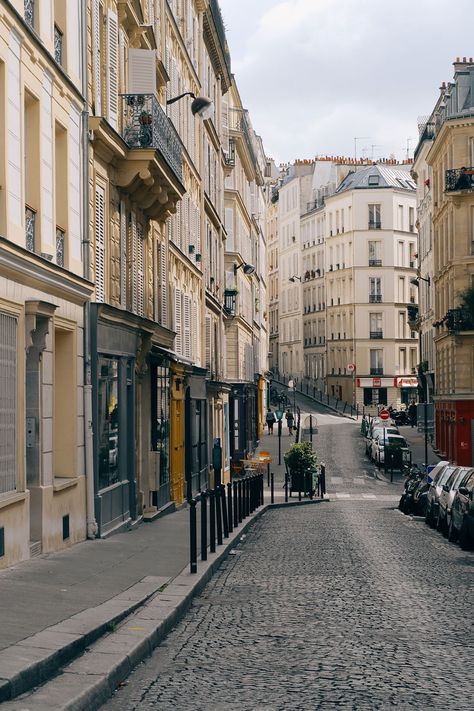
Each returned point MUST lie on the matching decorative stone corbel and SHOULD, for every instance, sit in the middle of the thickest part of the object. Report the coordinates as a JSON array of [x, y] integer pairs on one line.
[[143, 350], [38, 315]]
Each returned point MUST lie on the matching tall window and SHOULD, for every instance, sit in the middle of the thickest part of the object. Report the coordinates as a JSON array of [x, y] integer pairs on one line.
[[376, 361], [374, 217], [108, 426], [375, 290], [375, 253], [375, 322], [160, 423], [8, 403]]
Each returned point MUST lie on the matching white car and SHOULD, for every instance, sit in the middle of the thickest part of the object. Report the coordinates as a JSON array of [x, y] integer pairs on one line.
[[377, 432], [390, 440]]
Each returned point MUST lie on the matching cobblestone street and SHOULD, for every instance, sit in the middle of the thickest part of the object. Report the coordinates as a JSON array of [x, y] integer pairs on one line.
[[345, 604]]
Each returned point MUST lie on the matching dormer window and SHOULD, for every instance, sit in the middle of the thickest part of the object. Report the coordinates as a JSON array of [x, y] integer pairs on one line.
[[373, 180]]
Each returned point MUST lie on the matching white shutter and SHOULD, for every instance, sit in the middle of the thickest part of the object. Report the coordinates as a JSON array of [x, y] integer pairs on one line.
[[178, 218], [96, 58], [133, 265], [194, 334], [141, 71], [229, 226], [187, 326], [123, 86], [13, 126], [123, 255], [163, 286], [208, 344], [8, 403], [140, 273], [99, 243], [178, 344], [112, 68]]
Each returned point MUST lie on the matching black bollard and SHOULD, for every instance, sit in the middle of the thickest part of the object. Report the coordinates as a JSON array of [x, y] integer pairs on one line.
[[323, 480], [212, 521], [261, 490], [272, 488], [229, 507], [192, 536], [219, 515], [268, 473], [286, 487], [235, 501], [225, 520], [239, 500], [204, 525]]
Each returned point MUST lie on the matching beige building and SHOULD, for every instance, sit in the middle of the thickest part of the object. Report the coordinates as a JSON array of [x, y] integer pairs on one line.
[[451, 160], [43, 471]]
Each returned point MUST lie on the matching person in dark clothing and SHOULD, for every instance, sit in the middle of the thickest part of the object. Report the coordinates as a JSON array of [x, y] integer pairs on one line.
[[412, 414], [270, 419], [289, 421]]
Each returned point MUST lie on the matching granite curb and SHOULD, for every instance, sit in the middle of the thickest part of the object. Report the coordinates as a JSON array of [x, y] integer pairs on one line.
[[88, 681]]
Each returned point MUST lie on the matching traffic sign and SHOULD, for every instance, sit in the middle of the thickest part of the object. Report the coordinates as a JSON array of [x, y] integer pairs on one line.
[[384, 415], [351, 367]]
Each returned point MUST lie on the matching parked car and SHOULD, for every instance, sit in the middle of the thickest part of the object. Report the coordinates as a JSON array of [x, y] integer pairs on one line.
[[446, 499], [439, 476], [381, 443], [376, 431], [461, 504]]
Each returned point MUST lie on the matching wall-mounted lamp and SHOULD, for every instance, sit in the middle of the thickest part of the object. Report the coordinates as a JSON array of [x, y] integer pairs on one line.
[[294, 278], [200, 106], [416, 280], [247, 268]]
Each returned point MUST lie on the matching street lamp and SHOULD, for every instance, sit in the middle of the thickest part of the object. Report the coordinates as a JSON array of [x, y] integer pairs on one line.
[[200, 106], [416, 280], [247, 268], [294, 278]]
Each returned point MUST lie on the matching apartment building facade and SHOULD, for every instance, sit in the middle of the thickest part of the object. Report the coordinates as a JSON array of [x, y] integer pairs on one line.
[[43, 432]]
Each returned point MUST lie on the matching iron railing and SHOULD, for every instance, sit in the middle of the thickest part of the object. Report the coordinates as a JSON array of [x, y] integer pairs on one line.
[[376, 371], [145, 125], [238, 121], [30, 12], [459, 320], [375, 225], [375, 262], [229, 155], [219, 24], [30, 228], [375, 298], [460, 179], [60, 247], [376, 334]]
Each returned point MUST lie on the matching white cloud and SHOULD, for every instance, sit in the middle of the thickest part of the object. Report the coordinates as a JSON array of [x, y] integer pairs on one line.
[[316, 73]]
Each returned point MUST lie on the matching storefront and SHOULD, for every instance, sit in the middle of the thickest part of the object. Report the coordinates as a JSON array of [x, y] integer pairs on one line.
[[408, 389], [243, 414], [160, 382], [196, 461]]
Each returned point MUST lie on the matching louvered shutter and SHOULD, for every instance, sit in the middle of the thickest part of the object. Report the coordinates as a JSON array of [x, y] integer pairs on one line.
[[163, 286], [225, 124], [178, 220], [208, 343], [8, 403], [96, 58], [187, 326], [229, 226], [178, 321], [140, 273], [112, 68], [122, 54], [151, 13], [99, 243], [141, 71], [194, 333], [133, 264], [123, 255]]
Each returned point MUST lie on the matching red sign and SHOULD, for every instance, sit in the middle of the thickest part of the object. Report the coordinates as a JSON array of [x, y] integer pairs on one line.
[[377, 382], [384, 415]]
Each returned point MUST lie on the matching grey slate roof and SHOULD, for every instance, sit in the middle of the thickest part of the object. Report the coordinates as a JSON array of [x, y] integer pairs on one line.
[[379, 176]]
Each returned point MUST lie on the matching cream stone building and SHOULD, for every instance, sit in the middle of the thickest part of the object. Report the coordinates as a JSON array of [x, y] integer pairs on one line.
[[45, 441]]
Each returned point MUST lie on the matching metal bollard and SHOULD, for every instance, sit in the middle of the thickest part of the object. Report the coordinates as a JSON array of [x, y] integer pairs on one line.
[[268, 473], [272, 488], [248, 497], [235, 501], [225, 520], [219, 515], [261, 490], [193, 536], [239, 500], [323, 479], [204, 525], [286, 487], [229, 507], [212, 521]]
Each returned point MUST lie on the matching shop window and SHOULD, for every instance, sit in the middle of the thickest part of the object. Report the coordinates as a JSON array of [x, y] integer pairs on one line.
[[108, 422], [160, 423], [375, 396], [64, 442]]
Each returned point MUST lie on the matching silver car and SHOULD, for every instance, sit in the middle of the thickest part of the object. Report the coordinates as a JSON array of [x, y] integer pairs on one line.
[[376, 433], [439, 476], [446, 498]]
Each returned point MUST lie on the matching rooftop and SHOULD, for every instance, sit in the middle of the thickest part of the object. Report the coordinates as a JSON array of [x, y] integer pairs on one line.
[[379, 176]]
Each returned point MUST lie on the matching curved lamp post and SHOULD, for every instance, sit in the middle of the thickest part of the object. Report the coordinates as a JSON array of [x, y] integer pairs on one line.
[[200, 106]]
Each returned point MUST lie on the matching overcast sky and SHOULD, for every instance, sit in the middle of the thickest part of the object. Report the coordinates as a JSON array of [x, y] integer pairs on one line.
[[316, 73]]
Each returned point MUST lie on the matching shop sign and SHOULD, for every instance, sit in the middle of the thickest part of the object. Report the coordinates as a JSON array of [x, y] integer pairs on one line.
[[406, 382]]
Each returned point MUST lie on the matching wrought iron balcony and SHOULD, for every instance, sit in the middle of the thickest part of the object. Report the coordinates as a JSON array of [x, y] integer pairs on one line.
[[145, 125], [376, 334], [238, 121], [375, 225], [219, 24], [460, 179], [30, 228], [375, 262], [30, 12], [375, 298], [230, 296], [229, 155], [60, 247], [459, 320], [412, 313], [376, 371]]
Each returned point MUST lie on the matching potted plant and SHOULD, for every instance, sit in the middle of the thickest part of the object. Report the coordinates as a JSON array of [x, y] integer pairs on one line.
[[302, 464]]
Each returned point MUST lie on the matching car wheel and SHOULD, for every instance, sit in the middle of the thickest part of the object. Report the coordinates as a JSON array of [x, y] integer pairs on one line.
[[452, 533], [464, 540]]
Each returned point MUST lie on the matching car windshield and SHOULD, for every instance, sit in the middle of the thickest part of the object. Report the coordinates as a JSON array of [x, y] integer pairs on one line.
[[468, 480], [441, 476], [458, 479]]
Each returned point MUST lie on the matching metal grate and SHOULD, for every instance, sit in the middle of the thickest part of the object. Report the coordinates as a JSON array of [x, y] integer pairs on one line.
[[8, 402], [58, 45], [30, 228]]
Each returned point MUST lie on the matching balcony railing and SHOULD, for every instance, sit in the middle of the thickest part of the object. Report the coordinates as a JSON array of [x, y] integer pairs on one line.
[[375, 298], [30, 228], [145, 125], [58, 45], [376, 334], [217, 17], [375, 225], [30, 12], [375, 262], [460, 179], [59, 247], [376, 371], [238, 121], [229, 155], [459, 320]]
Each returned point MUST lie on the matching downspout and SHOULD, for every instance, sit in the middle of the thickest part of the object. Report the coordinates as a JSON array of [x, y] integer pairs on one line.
[[92, 528]]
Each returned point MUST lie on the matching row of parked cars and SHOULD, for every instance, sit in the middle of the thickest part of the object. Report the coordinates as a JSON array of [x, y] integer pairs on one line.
[[379, 436], [445, 497]]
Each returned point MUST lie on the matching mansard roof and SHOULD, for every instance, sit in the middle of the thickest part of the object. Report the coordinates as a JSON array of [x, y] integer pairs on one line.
[[378, 176]]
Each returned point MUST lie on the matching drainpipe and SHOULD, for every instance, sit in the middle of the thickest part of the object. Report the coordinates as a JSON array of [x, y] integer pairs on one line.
[[92, 527]]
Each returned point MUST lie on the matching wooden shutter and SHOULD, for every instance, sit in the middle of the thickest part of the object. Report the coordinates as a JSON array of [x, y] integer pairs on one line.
[[8, 403], [99, 243], [194, 333], [163, 286], [112, 68], [140, 273], [208, 343], [187, 326], [123, 255], [96, 57], [178, 321], [133, 262], [141, 71]]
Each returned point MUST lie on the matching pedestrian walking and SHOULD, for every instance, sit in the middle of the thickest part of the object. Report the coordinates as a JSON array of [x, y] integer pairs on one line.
[[412, 414], [270, 419], [289, 421]]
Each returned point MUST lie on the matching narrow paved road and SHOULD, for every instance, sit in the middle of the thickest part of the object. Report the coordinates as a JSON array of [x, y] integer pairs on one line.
[[345, 604]]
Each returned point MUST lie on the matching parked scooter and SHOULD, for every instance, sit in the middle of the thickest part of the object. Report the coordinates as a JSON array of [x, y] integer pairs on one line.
[[415, 476], [400, 417]]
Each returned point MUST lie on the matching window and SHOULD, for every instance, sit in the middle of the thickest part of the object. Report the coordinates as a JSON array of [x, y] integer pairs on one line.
[[160, 418], [411, 219], [374, 217], [31, 149], [373, 180], [64, 414], [375, 290], [403, 360], [108, 422], [375, 253], [61, 195], [376, 361], [375, 396], [8, 403], [400, 217], [375, 325]]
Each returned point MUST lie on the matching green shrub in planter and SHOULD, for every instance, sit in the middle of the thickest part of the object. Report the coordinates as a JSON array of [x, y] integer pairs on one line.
[[301, 458]]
